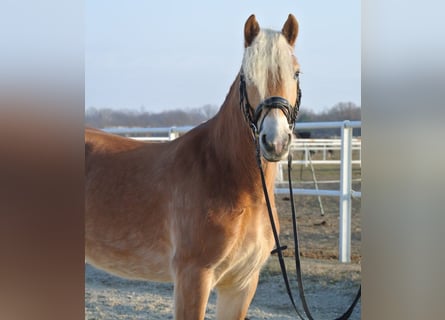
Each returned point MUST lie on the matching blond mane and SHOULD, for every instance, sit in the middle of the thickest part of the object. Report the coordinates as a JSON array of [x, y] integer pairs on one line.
[[269, 61]]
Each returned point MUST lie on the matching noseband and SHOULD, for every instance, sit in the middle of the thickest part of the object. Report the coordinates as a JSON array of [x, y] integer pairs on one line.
[[253, 115]]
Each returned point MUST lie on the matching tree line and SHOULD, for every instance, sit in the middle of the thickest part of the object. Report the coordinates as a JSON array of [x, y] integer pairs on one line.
[[339, 112], [106, 117]]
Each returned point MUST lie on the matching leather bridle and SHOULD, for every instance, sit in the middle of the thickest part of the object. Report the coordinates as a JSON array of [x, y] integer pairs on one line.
[[253, 115]]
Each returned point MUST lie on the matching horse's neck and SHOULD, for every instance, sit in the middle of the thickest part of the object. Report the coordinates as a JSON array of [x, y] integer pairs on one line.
[[235, 142]]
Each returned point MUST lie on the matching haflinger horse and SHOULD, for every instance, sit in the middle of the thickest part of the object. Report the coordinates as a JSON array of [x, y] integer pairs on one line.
[[192, 211]]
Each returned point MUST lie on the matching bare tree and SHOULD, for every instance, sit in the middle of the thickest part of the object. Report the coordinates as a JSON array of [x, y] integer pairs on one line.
[[209, 110]]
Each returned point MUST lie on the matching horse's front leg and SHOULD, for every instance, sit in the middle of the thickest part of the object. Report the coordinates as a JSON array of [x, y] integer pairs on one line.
[[233, 302], [192, 289]]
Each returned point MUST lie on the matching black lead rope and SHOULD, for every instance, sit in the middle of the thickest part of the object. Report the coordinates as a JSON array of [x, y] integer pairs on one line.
[[279, 248], [348, 312]]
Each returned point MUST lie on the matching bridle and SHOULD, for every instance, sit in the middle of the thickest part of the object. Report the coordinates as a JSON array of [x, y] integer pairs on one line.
[[252, 117]]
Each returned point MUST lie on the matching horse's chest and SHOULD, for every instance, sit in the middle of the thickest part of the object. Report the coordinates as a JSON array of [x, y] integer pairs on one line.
[[248, 256]]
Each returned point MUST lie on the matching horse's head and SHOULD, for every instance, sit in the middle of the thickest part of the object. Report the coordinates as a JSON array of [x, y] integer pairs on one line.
[[269, 85]]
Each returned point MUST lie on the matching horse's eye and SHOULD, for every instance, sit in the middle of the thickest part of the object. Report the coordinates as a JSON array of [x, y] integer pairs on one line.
[[297, 75]]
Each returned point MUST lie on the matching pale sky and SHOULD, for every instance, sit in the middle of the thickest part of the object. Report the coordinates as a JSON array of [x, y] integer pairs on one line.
[[185, 54]]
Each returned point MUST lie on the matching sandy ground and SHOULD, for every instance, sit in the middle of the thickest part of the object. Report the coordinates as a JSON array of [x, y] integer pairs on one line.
[[330, 287]]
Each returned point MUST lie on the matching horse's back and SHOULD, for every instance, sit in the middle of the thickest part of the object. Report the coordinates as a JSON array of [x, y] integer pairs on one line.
[[103, 149], [100, 141]]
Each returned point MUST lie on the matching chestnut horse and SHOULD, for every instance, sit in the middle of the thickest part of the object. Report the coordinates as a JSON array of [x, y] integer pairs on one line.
[[192, 211]]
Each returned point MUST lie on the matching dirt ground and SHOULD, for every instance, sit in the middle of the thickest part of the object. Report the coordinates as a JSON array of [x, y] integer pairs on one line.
[[330, 285]]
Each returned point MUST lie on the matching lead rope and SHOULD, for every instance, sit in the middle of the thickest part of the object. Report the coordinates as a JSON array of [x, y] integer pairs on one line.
[[348, 312], [279, 248]]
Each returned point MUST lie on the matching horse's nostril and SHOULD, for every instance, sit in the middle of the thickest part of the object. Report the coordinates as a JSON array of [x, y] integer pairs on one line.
[[278, 145], [268, 145], [263, 139]]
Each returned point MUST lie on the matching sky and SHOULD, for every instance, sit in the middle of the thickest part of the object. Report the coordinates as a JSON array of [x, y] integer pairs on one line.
[[163, 55]]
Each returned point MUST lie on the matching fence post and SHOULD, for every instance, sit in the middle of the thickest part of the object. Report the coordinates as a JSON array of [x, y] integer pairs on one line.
[[172, 134], [280, 175], [344, 245]]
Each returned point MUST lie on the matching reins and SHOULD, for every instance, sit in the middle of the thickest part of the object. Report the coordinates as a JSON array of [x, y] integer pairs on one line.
[[252, 116]]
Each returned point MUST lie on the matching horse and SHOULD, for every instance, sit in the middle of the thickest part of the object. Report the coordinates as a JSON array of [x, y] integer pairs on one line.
[[191, 211]]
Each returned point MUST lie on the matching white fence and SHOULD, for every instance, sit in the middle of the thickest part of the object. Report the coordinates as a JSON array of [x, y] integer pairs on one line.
[[155, 134], [345, 145], [346, 193], [324, 146]]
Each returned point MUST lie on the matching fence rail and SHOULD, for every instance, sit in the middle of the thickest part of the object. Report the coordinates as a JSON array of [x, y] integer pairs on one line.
[[345, 145], [324, 146]]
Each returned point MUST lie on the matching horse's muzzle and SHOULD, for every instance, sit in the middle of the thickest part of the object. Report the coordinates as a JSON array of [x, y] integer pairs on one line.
[[275, 148]]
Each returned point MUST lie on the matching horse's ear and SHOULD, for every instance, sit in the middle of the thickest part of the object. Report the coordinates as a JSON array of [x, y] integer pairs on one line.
[[290, 29], [251, 30]]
